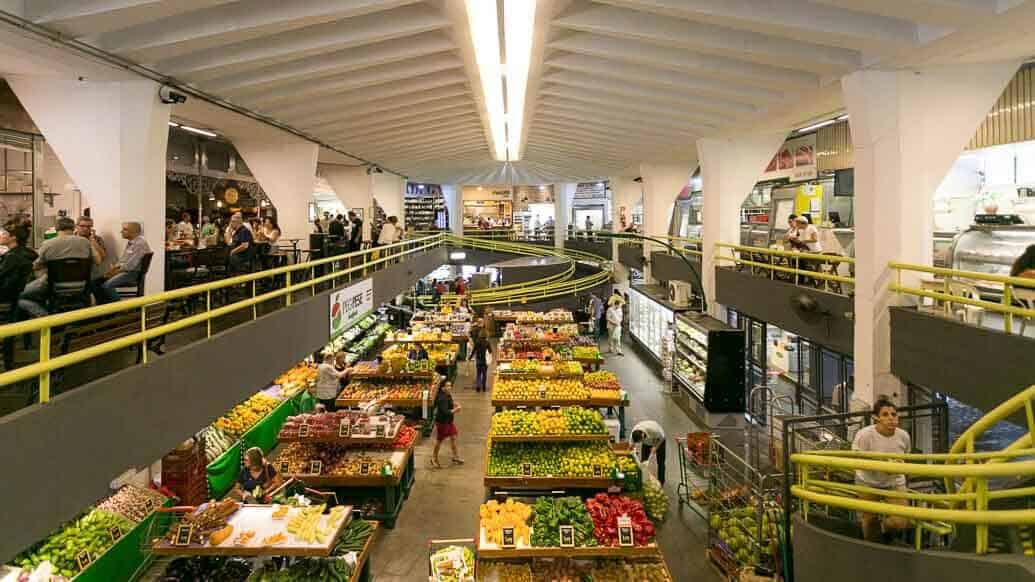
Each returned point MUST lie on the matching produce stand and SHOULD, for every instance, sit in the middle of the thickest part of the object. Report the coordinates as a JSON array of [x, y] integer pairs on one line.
[[549, 438], [361, 572], [258, 518], [619, 402], [549, 483], [490, 551], [125, 558], [345, 402], [223, 472]]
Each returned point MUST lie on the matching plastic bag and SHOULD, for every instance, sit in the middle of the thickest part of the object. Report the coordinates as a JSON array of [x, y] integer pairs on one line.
[[655, 501]]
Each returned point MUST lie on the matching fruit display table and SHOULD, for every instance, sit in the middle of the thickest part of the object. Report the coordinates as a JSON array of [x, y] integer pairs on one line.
[[491, 551], [345, 400], [605, 474], [618, 402]]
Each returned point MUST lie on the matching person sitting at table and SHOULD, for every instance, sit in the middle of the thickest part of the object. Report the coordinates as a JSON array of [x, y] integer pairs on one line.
[[209, 233], [64, 246], [127, 269], [240, 244], [185, 228], [256, 479], [270, 230]]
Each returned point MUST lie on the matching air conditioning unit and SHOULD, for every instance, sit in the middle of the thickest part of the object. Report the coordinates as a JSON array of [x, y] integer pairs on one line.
[[679, 293]]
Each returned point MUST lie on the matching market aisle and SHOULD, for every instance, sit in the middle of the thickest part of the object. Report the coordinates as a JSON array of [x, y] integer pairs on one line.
[[684, 535], [443, 503]]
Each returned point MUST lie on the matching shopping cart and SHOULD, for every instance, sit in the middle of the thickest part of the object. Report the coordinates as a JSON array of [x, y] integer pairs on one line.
[[694, 461]]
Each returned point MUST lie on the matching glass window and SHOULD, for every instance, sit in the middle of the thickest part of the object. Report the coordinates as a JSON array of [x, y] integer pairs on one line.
[[217, 156]]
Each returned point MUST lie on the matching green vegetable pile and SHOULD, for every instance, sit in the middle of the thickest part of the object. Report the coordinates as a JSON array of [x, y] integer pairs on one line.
[[207, 569], [353, 537], [655, 502], [88, 533], [549, 513], [336, 569]]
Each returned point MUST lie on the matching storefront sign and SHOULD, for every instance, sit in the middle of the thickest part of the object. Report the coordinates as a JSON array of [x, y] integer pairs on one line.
[[567, 535], [796, 160], [590, 190], [350, 304], [508, 538]]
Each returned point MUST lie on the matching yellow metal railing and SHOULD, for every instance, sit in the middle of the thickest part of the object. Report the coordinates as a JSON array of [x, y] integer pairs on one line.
[[362, 262], [951, 287], [821, 270]]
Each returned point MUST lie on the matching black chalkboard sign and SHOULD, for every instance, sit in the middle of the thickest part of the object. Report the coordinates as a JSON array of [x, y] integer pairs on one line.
[[303, 431], [380, 431], [83, 559], [345, 429], [115, 532], [526, 470], [508, 538], [598, 471], [567, 535], [625, 531], [315, 467], [183, 535], [364, 469], [285, 467]]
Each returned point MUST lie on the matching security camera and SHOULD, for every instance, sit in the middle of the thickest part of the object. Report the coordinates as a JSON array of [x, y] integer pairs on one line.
[[374, 170], [170, 96]]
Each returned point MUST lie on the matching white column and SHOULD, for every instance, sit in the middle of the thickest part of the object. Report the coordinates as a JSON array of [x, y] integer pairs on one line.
[[351, 185], [388, 190], [908, 128], [661, 185], [626, 193], [563, 195], [112, 138], [729, 169], [453, 195], [285, 168]]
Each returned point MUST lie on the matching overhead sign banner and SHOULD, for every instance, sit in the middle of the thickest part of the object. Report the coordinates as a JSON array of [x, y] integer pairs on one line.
[[349, 304], [795, 161]]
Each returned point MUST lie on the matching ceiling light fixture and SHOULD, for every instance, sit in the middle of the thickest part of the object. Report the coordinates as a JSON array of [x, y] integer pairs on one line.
[[820, 124], [173, 124], [203, 132], [518, 25], [484, 24]]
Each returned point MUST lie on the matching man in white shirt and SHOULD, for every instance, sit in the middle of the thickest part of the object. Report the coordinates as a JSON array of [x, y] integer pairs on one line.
[[651, 438], [883, 436], [185, 228], [614, 328], [807, 235], [328, 382]]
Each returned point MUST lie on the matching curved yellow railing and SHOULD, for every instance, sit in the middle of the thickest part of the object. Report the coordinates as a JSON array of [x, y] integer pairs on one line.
[[966, 474], [952, 287]]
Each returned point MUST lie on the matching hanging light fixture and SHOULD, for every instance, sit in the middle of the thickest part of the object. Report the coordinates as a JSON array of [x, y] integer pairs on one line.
[[518, 24]]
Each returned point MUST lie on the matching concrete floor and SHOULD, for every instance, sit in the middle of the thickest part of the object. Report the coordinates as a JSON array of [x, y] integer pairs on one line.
[[444, 503]]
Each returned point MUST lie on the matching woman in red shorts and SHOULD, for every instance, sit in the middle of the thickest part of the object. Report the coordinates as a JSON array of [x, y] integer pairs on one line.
[[445, 408]]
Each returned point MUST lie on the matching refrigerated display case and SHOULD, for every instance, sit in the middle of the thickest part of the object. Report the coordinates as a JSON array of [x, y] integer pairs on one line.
[[710, 361], [648, 320]]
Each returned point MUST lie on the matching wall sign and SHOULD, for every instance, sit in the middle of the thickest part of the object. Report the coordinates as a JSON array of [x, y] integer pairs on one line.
[[796, 160], [350, 304]]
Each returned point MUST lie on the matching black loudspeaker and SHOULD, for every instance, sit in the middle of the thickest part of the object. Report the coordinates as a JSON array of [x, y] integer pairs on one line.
[[724, 389]]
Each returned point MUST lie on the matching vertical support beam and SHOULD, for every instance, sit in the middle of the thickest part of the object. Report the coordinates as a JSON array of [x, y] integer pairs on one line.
[[905, 143], [729, 169], [285, 166], [453, 195], [563, 195], [388, 190], [112, 139], [626, 193], [661, 184]]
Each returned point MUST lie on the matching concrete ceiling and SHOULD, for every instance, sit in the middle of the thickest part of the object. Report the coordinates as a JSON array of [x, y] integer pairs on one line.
[[612, 82]]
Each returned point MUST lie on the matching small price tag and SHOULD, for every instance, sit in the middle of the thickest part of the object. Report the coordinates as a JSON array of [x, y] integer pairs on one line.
[[183, 535], [149, 505], [285, 467], [315, 467], [115, 532], [625, 531], [508, 538], [364, 469], [598, 471], [83, 559], [526, 469], [380, 431], [345, 429], [567, 535], [303, 431]]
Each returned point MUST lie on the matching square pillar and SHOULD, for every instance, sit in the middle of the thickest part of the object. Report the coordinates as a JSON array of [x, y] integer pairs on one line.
[[661, 184], [285, 168], [453, 195], [563, 195]]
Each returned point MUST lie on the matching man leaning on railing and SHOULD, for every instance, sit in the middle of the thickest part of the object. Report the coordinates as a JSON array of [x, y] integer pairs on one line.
[[883, 436]]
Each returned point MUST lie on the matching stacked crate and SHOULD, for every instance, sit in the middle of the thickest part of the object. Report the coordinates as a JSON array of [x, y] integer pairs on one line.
[[184, 472]]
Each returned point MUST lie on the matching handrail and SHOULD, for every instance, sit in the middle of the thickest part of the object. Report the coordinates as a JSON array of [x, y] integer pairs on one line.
[[832, 282], [1005, 306]]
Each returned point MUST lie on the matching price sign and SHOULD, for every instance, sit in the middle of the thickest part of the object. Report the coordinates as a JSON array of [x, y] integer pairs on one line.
[[625, 531], [315, 467], [380, 431], [542, 392], [567, 535], [526, 469], [364, 469], [598, 471], [115, 532], [303, 431], [508, 538], [285, 467], [345, 429], [183, 535], [149, 504], [83, 559]]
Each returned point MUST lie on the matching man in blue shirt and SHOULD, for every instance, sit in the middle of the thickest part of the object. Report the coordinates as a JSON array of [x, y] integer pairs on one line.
[[240, 244], [126, 271]]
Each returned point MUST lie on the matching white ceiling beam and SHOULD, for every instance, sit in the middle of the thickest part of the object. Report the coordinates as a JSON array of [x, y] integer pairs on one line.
[[379, 107], [612, 148], [565, 147], [649, 94], [557, 155], [448, 155], [611, 101], [292, 45], [458, 131], [951, 13], [91, 17], [381, 53], [368, 96], [675, 59], [605, 133], [403, 114], [645, 75], [656, 123], [237, 22], [793, 19], [379, 75], [468, 144], [726, 42], [410, 126]]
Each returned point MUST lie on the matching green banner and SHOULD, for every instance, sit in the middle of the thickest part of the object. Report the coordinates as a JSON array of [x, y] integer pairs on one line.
[[222, 473]]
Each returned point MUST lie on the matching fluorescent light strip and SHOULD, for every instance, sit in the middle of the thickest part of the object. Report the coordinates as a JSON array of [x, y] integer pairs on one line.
[[518, 24], [198, 131], [485, 27], [172, 124], [815, 126]]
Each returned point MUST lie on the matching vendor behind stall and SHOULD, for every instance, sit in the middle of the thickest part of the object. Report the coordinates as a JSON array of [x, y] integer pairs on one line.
[[256, 479]]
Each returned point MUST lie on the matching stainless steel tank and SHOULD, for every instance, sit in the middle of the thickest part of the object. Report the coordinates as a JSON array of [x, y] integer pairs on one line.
[[990, 248]]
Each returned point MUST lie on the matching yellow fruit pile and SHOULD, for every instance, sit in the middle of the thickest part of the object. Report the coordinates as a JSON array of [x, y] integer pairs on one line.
[[296, 379], [496, 516], [246, 415], [532, 390]]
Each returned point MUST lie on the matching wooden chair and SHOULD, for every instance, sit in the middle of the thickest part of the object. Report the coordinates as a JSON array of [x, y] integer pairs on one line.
[[68, 284], [137, 288]]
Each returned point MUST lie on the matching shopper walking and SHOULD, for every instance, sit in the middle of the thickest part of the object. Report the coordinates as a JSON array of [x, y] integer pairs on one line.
[[650, 437], [356, 234], [445, 411], [480, 355], [328, 381], [614, 321]]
